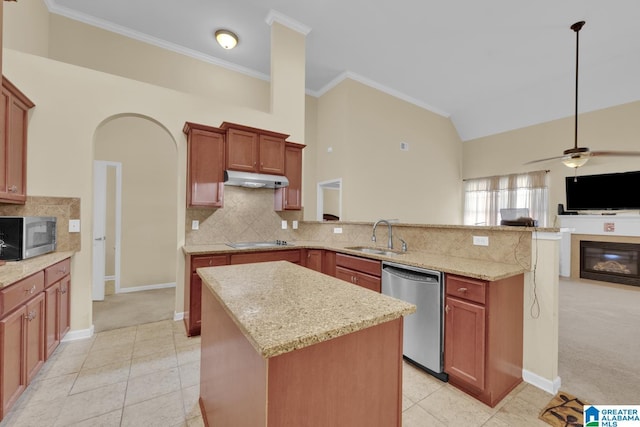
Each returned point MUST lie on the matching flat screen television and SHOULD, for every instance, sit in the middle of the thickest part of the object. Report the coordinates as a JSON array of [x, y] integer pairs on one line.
[[610, 191]]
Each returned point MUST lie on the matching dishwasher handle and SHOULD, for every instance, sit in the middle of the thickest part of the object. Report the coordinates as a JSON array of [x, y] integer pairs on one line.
[[415, 276]]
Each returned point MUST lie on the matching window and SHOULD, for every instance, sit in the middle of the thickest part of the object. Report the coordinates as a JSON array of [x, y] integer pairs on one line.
[[484, 197]]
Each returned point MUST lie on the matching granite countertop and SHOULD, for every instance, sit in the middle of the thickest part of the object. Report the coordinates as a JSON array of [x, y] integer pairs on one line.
[[281, 307], [13, 271], [478, 269]]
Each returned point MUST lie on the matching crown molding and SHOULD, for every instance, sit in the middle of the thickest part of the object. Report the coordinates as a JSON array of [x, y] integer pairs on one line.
[[382, 88], [275, 16], [127, 32]]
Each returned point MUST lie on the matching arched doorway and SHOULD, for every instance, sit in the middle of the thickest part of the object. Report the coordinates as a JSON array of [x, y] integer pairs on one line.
[[135, 190]]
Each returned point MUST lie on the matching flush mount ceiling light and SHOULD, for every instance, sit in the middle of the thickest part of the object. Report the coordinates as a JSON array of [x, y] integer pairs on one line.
[[578, 156], [226, 39]]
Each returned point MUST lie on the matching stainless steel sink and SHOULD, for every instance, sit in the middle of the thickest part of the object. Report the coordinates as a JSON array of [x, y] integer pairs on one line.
[[375, 251]]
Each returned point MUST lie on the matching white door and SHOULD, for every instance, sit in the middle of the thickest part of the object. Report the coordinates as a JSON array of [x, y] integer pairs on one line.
[[99, 227], [102, 205]]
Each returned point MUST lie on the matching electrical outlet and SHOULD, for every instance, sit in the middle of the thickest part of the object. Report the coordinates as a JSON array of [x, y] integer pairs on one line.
[[481, 240], [337, 230], [74, 226], [284, 224], [294, 225], [195, 224]]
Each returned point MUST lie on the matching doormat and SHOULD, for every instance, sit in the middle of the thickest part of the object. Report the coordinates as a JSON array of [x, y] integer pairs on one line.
[[564, 410]]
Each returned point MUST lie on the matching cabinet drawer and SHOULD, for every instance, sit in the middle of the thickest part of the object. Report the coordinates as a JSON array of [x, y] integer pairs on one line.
[[466, 288], [20, 292], [364, 265], [56, 272], [207, 261]]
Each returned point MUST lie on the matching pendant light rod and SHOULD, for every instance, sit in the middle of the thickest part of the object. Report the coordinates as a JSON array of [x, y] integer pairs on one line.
[[577, 27]]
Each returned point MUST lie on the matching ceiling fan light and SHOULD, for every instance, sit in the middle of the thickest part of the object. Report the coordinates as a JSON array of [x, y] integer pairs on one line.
[[226, 39], [575, 161]]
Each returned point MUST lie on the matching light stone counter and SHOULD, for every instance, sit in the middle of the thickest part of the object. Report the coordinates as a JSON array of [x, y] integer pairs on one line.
[[281, 307], [13, 271], [478, 269]]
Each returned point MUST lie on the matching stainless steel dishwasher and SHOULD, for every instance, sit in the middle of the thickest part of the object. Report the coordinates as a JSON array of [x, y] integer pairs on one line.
[[423, 330]]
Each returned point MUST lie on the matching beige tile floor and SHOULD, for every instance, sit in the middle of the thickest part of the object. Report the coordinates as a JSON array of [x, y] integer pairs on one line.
[[148, 375]]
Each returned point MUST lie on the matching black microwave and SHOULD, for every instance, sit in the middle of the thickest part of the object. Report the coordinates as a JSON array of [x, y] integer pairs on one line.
[[23, 237]]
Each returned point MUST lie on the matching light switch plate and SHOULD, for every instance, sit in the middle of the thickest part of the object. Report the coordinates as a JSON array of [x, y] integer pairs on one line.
[[195, 224], [295, 225], [74, 226], [481, 240], [284, 224], [337, 230]]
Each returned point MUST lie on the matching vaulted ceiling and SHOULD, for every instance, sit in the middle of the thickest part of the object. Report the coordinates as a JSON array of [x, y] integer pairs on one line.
[[491, 66]]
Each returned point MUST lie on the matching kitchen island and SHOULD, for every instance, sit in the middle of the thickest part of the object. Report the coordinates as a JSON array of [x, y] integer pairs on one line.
[[284, 345]]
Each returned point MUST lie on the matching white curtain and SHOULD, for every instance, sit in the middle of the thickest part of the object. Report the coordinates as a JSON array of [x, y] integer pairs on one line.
[[484, 197]]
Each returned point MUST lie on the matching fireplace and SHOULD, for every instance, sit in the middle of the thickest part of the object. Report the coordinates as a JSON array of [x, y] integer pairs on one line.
[[610, 262]]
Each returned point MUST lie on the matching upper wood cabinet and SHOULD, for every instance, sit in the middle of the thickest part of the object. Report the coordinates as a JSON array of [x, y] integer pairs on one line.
[[14, 110], [254, 150], [290, 198], [205, 165]]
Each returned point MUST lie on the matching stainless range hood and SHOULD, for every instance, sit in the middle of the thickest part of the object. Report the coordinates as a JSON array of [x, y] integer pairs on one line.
[[254, 180]]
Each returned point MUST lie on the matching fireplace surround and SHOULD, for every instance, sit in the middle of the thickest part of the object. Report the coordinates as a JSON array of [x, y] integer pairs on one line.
[[610, 262]]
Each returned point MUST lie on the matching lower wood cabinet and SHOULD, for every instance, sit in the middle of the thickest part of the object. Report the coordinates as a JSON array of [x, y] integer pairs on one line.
[[359, 271], [22, 348], [193, 283], [483, 335], [34, 316], [58, 303], [314, 259]]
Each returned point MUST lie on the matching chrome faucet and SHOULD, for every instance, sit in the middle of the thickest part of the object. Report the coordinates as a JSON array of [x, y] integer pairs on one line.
[[373, 235]]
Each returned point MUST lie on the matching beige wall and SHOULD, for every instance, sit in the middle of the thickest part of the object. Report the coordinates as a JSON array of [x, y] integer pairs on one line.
[[615, 128], [148, 157], [26, 27], [71, 103], [364, 128]]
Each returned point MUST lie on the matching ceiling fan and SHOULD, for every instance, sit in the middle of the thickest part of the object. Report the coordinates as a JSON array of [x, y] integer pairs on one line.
[[578, 156]]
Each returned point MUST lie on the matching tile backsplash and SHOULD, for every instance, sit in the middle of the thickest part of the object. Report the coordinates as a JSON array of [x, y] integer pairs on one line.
[[63, 208], [248, 215]]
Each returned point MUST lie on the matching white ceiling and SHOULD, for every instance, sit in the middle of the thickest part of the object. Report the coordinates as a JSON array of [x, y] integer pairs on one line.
[[491, 65]]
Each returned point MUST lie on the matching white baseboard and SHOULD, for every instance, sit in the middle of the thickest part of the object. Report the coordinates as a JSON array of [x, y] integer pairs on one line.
[[178, 316], [146, 288], [542, 383], [79, 334]]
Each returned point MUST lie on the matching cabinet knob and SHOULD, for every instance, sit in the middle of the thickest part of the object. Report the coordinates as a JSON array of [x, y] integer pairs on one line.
[[462, 290], [31, 290], [446, 308], [13, 189]]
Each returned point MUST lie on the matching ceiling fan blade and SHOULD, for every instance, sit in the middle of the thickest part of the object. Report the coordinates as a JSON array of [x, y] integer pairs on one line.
[[616, 153], [544, 160]]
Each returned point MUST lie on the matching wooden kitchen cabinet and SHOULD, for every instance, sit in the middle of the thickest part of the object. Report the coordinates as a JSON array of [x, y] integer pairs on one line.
[[14, 113], [254, 150], [58, 303], [291, 255], [314, 259], [205, 165], [329, 263], [483, 335], [22, 330], [193, 289], [359, 271], [290, 197]]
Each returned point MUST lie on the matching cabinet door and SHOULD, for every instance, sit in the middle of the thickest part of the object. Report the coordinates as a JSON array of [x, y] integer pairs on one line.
[[329, 264], [464, 352], [35, 350], [290, 198], [206, 169], [314, 259], [12, 352], [370, 282], [64, 318], [4, 110], [193, 298], [52, 323], [271, 155], [242, 150]]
